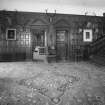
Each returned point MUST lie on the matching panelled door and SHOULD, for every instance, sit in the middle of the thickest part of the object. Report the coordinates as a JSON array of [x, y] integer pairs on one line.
[[61, 44]]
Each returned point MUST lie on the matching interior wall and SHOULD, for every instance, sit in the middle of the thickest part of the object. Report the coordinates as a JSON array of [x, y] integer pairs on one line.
[[24, 21]]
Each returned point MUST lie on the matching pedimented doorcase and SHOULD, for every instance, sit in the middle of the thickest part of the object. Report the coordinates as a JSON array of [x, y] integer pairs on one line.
[[39, 43], [62, 40], [39, 31]]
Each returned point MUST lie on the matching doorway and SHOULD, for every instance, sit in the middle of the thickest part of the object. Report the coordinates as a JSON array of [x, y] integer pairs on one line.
[[62, 44], [38, 43]]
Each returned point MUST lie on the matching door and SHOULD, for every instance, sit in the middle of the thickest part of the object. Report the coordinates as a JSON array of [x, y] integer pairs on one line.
[[61, 44]]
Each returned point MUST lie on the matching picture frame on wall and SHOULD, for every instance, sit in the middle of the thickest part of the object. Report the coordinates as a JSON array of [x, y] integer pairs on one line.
[[11, 34], [87, 35]]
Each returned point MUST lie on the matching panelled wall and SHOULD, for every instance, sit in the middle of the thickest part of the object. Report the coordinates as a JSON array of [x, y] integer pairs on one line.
[[16, 49], [26, 22]]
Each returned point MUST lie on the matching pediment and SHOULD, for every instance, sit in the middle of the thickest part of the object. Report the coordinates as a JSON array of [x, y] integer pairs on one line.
[[62, 23], [38, 22]]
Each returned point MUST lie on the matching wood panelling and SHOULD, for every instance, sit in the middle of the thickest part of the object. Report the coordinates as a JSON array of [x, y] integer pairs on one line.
[[25, 22]]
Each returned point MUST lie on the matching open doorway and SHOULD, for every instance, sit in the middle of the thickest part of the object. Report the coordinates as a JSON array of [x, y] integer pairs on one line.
[[38, 44]]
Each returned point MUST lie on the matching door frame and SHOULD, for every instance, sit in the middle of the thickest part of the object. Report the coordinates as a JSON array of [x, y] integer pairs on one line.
[[44, 28]]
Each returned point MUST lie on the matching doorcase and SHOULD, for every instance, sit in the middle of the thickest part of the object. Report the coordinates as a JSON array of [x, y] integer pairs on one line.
[[39, 43]]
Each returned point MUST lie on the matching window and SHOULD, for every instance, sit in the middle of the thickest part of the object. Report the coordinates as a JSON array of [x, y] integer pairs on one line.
[[11, 34], [87, 35]]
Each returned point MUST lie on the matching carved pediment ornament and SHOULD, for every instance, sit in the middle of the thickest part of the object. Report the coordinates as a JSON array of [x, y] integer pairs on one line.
[[9, 20], [89, 25], [36, 22]]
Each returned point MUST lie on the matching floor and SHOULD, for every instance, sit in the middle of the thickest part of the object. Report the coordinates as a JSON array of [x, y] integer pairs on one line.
[[33, 83]]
